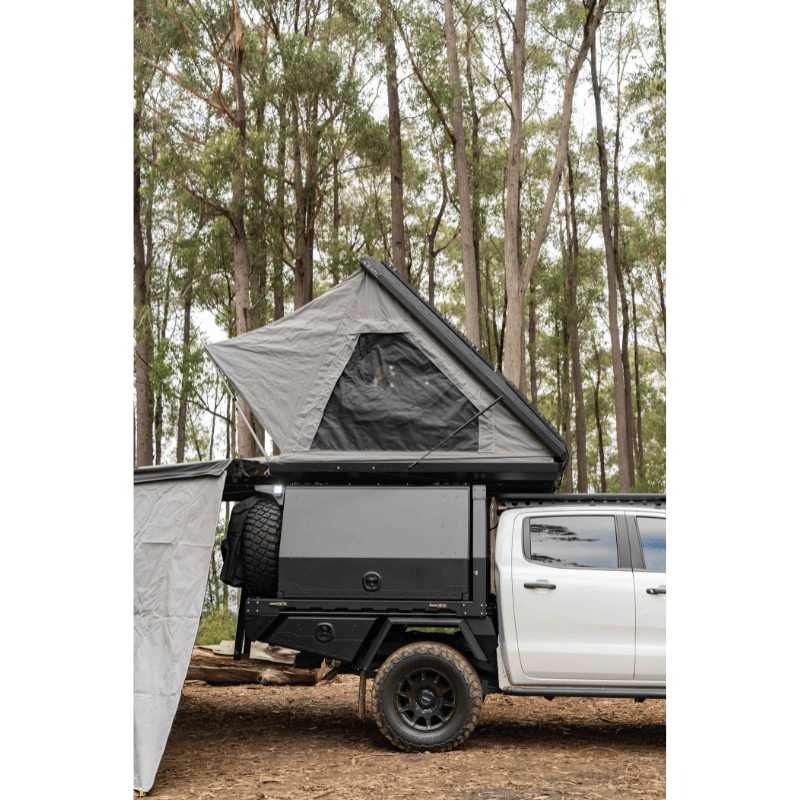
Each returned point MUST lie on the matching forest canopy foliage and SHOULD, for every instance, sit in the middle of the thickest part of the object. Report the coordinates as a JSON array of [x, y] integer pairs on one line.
[[469, 143]]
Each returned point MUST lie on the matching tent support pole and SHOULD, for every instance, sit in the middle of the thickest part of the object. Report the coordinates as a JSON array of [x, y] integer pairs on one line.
[[237, 645], [239, 407], [457, 430]]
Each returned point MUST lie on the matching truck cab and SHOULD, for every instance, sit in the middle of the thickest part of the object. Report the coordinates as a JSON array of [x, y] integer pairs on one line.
[[581, 599]]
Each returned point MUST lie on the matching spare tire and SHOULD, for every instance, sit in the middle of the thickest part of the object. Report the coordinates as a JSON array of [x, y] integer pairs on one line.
[[261, 538]]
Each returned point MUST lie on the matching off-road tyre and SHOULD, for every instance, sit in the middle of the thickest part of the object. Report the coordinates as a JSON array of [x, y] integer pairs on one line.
[[398, 673], [261, 539]]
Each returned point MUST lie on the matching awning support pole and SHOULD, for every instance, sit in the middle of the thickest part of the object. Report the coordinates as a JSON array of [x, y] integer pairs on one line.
[[457, 430], [239, 407], [237, 645]]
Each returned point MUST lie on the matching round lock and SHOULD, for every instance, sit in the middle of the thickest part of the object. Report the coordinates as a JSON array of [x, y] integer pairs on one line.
[[324, 632], [371, 581]]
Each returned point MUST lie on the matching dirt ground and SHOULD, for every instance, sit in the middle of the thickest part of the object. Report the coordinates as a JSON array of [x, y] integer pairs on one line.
[[286, 742]]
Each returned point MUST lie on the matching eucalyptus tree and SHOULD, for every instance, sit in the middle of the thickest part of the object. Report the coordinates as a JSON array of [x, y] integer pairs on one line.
[[518, 277], [200, 49]]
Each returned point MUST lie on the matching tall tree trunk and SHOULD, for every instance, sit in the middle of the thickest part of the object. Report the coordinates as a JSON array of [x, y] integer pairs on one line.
[[142, 317], [639, 445], [498, 347], [596, 387], [517, 282], [626, 362], [661, 34], [308, 251], [395, 144], [462, 177], [532, 349], [431, 237], [159, 418], [280, 202], [559, 391], [616, 355], [475, 184], [337, 221], [567, 406], [577, 374], [241, 269], [515, 364], [213, 426], [663, 305], [184, 397], [626, 372], [299, 215]]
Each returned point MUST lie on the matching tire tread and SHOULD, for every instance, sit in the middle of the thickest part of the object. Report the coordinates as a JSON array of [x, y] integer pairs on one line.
[[261, 538], [475, 702]]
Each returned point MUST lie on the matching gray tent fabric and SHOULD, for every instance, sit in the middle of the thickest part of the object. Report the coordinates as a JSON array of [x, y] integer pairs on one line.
[[189, 469], [287, 372], [175, 523]]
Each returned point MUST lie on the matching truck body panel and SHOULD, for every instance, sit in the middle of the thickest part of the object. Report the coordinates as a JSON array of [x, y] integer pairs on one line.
[[375, 542]]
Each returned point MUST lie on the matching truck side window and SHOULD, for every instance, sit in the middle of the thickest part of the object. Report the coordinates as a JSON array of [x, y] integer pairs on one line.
[[589, 541], [653, 535]]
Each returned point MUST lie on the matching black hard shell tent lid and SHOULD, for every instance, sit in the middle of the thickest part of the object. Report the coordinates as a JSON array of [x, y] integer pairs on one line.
[[369, 378]]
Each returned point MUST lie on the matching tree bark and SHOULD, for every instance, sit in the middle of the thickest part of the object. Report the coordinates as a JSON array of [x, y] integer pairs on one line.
[[142, 317], [159, 417], [532, 349], [337, 219], [626, 362], [515, 364], [661, 34], [462, 176], [639, 445], [395, 144], [241, 269], [516, 283], [299, 214], [431, 237], [577, 375], [616, 355], [626, 371], [596, 387], [184, 397], [475, 184], [567, 407]]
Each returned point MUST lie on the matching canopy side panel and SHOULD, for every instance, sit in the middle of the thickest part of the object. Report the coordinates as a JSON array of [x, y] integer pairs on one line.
[[174, 526], [274, 367]]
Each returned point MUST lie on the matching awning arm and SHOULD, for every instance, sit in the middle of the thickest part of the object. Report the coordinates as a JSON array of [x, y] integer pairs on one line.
[[241, 414], [457, 430]]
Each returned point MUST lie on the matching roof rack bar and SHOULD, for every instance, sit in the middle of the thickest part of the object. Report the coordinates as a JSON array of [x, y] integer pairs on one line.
[[631, 498]]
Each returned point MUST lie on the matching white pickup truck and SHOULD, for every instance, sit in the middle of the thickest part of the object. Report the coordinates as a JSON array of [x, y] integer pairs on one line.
[[581, 600], [393, 583]]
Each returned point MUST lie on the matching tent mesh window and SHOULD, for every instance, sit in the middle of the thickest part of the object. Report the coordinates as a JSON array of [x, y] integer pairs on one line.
[[391, 396]]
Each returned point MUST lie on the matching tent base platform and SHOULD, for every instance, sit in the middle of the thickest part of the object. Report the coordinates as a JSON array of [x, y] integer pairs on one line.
[[510, 476]]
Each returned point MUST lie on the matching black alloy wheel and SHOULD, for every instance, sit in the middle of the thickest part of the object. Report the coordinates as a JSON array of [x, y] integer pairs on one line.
[[426, 697]]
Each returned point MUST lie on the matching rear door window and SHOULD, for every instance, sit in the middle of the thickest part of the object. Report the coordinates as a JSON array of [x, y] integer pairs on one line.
[[653, 536], [574, 542]]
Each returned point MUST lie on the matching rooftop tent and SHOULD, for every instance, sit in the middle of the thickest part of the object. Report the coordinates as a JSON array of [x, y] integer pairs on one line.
[[371, 372]]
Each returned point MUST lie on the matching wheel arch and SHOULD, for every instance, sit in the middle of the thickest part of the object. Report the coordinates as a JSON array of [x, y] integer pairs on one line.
[[399, 624]]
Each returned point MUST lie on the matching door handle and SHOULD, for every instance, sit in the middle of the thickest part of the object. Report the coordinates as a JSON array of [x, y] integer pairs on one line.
[[540, 585], [659, 590]]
